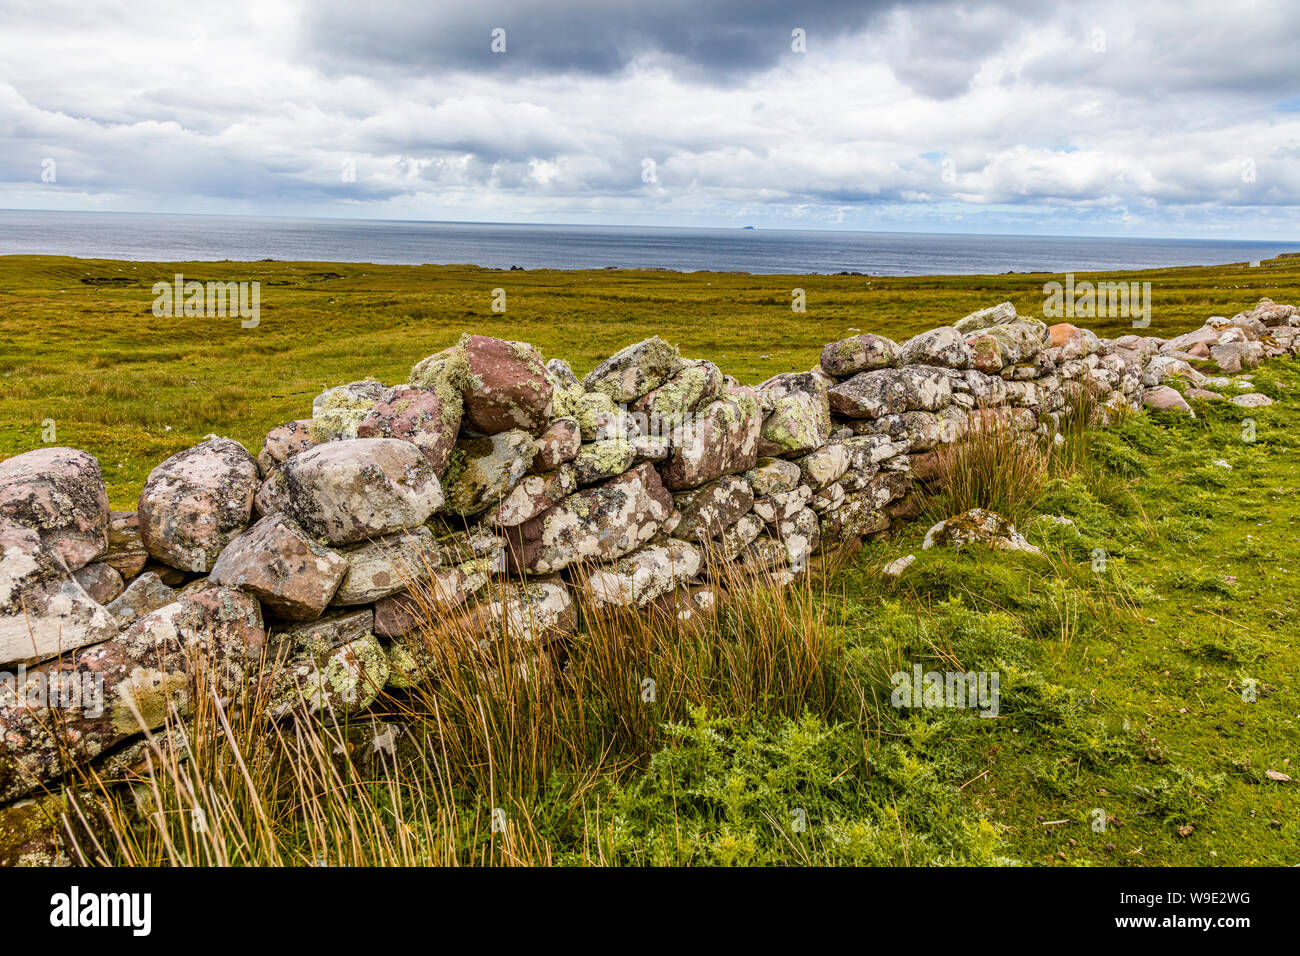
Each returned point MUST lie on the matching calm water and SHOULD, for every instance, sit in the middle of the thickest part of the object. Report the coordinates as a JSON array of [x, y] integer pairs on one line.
[[171, 238]]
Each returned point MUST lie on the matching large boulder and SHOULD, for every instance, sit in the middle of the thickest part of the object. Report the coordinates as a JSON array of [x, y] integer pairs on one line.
[[348, 491], [483, 470], [422, 416], [631, 372], [59, 493], [287, 571], [196, 502], [944, 347], [1165, 399], [507, 387], [112, 691], [594, 524], [722, 438], [798, 414], [891, 391], [858, 353]]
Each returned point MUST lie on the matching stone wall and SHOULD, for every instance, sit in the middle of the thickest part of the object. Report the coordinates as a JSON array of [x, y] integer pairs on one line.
[[512, 494]]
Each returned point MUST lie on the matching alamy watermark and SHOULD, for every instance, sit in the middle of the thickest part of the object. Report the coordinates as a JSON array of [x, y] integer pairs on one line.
[[1091, 300], [213, 300], [62, 690], [976, 690]]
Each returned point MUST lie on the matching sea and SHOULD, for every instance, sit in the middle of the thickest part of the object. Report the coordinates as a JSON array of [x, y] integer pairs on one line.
[[170, 238]]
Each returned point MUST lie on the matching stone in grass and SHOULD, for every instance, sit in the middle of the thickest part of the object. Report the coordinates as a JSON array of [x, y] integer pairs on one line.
[[977, 527], [276, 562], [196, 502], [644, 575], [1165, 399], [1251, 400], [342, 681]]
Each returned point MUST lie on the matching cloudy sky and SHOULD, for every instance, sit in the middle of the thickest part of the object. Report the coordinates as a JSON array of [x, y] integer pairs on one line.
[[1147, 119]]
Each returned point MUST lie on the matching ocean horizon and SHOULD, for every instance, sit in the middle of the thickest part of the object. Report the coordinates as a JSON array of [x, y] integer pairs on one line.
[[168, 237]]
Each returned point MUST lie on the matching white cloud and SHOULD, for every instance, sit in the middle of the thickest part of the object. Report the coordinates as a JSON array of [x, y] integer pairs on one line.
[[1093, 117]]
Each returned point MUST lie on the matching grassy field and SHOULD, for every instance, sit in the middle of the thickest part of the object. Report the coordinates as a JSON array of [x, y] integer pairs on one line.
[[81, 345], [1125, 682]]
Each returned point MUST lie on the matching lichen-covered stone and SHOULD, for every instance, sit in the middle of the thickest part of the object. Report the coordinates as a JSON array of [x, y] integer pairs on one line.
[[858, 353], [282, 443], [386, 565], [349, 491], [998, 314], [633, 371], [944, 347], [146, 593], [594, 524], [59, 493], [507, 387], [336, 412], [44, 611], [604, 459], [282, 567], [644, 575], [558, 444], [891, 391], [196, 502], [977, 527], [721, 439], [798, 414], [533, 495], [666, 407], [824, 465], [712, 508], [483, 470], [419, 415], [770, 476], [341, 681], [126, 553], [800, 534], [782, 504], [100, 581], [145, 670]]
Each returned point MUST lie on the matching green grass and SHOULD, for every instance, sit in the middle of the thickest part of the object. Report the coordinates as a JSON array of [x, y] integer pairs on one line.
[[1123, 653], [82, 347]]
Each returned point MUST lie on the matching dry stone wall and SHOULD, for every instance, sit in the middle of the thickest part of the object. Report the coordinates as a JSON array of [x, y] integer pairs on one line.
[[515, 494]]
